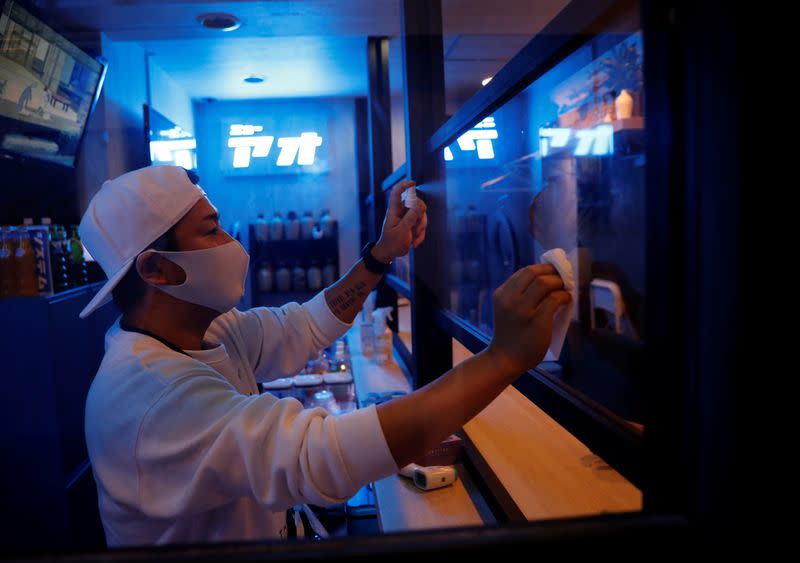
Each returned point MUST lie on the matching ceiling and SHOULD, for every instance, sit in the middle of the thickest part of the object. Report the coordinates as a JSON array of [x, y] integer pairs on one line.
[[304, 47]]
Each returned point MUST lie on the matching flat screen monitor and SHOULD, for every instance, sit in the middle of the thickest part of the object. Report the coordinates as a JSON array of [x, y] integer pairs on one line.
[[168, 142], [48, 88]]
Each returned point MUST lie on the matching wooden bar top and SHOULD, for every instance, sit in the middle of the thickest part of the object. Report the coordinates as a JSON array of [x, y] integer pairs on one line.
[[545, 469], [547, 472], [400, 505]]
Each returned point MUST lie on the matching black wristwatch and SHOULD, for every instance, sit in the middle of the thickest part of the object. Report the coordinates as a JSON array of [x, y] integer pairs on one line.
[[371, 263]]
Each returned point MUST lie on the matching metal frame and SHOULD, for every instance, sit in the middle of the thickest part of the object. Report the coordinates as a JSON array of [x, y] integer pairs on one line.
[[423, 102], [397, 176], [622, 534], [398, 285], [379, 125]]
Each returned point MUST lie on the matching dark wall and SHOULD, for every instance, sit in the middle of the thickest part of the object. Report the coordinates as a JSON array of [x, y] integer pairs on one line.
[[35, 189], [50, 357]]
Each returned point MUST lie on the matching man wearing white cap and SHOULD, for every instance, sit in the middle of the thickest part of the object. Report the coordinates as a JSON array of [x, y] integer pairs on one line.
[[183, 447]]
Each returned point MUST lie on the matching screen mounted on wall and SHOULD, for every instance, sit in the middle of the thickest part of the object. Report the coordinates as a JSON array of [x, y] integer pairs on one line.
[[48, 87]]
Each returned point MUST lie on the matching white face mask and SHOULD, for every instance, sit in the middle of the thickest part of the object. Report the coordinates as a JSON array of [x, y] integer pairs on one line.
[[214, 276]]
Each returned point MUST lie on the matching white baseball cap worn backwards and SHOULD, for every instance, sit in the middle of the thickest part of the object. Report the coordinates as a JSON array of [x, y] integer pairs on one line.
[[128, 214]]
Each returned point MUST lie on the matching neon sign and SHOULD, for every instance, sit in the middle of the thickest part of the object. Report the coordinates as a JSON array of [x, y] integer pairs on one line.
[[598, 141], [174, 133], [179, 152], [247, 143]]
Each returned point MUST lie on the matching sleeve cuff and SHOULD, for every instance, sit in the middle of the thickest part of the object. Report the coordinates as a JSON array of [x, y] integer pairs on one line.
[[363, 446], [330, 325]]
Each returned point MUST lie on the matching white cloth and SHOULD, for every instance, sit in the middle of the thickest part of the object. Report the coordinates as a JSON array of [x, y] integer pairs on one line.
[[558, 258], [184, 450]]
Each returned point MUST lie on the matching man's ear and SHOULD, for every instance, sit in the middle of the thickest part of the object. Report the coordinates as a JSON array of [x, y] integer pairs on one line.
[[157, 270], [149, 265]]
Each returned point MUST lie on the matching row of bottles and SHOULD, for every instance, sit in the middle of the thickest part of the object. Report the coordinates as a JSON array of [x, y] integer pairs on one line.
[[40, 259], [66, 257], [18, 276], [295, 227], [285, 276]]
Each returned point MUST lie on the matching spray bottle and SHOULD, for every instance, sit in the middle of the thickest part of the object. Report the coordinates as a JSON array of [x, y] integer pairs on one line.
[[367, 326], [383, 335], [409, 197]]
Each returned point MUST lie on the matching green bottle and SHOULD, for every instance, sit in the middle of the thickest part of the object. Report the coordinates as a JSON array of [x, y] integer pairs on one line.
[[79, 275]]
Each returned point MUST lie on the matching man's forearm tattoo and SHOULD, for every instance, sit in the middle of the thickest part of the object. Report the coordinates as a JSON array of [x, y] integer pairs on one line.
[[347, 297]]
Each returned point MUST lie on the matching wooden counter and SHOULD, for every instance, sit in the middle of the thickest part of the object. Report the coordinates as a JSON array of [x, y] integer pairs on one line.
[[547, 472], [400, 505]]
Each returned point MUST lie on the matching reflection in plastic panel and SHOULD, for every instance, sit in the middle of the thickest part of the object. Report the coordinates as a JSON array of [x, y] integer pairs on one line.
[[566, 171]]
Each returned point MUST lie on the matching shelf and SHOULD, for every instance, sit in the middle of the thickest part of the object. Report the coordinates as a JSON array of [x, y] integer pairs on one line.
[[630, 123], [397, 176]]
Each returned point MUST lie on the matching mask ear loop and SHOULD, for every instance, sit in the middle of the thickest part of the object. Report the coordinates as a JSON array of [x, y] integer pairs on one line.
[[161, 254]]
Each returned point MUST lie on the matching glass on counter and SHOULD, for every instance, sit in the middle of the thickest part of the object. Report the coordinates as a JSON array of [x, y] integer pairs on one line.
[[562, 165]]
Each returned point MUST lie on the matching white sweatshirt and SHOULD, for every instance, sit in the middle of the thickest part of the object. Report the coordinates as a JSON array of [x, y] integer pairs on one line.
[[185, 450]]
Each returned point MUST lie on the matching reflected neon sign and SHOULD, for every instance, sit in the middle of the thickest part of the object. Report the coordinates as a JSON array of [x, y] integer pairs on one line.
[[597, 141], [248, 142], [478, 139]]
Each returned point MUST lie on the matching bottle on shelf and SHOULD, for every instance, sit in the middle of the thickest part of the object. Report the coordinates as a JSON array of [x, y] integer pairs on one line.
[[329, 273], [307, 226], [261, 228], [58, 260], [265, 278], [367, 329], [65, 248], [77, 265], [292, 227], [383, 334], [324, 217], [276, 227], [27, 279], [283, 278], [314, 276], [327, 224], [8, 264], [298, 277]]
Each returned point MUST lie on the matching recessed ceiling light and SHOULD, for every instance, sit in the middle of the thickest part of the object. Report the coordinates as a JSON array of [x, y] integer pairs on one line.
[[254, 78], [219, 21], [486, 80]]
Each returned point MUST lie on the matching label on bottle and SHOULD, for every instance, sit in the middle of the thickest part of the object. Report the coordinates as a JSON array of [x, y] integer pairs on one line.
[[41, 253]]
